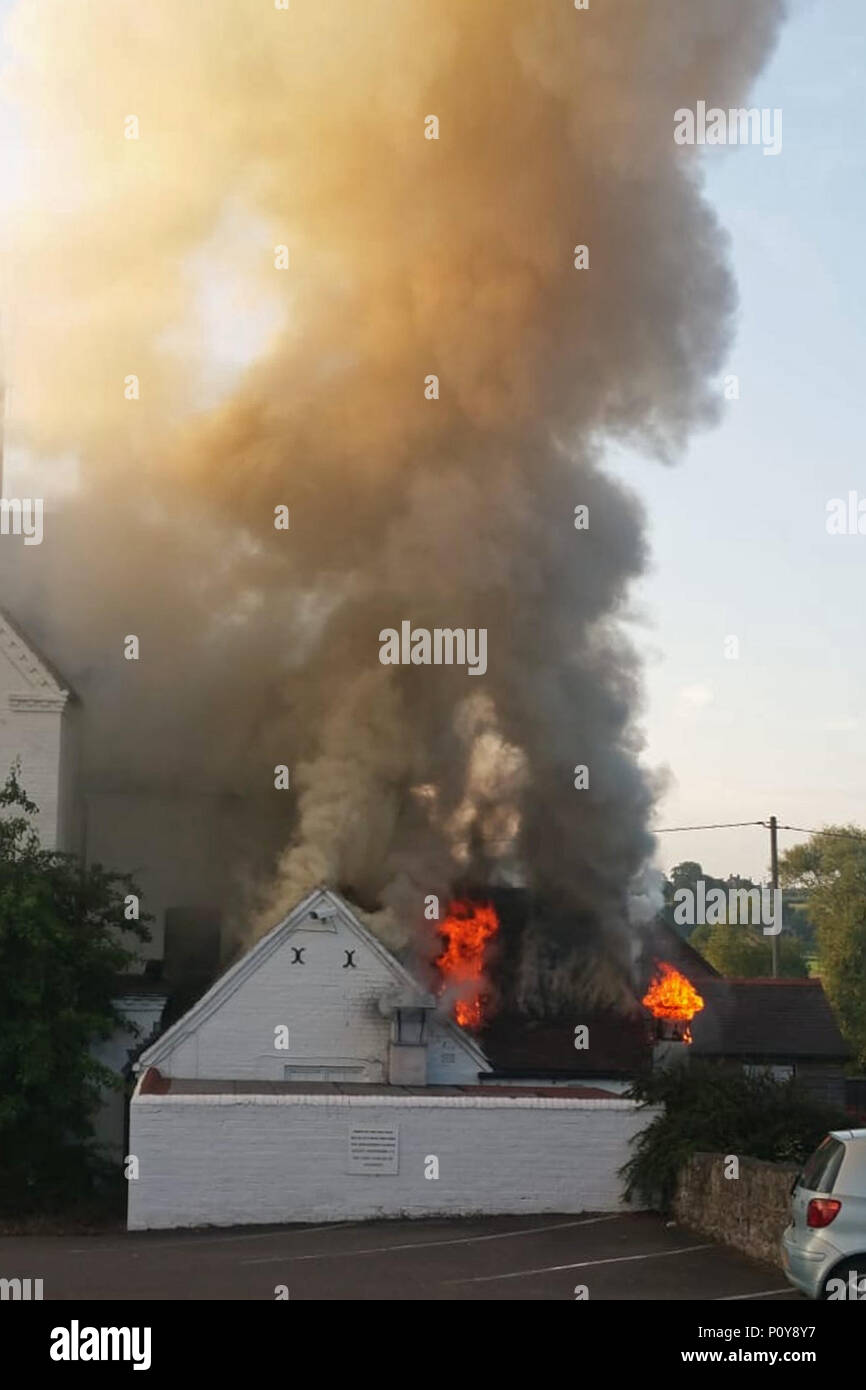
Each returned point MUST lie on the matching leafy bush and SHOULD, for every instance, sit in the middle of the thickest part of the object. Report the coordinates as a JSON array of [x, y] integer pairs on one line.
[[714, 1109], [61, 950]]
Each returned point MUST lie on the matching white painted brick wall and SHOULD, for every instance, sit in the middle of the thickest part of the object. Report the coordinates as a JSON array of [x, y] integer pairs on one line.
[[220, 1160], [331, 1013], [35, 738]]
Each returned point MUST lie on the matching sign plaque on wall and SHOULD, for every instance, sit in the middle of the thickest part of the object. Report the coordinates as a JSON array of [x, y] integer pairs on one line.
[[373, 1151]]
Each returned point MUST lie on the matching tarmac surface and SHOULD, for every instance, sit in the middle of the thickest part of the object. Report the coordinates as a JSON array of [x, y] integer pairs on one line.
[[631, 1256]]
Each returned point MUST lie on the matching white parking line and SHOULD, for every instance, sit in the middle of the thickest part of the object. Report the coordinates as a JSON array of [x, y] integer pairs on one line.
[[765, 1293], [583, 1264], [428, 1244], [192, 1241]]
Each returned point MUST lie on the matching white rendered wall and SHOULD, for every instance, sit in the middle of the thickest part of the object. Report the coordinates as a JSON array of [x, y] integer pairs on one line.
[[331, 1010], [226, 1160], [33, 722]]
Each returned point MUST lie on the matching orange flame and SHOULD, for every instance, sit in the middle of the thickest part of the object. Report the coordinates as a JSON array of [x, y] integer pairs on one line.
[[467, 930], [672, 996]]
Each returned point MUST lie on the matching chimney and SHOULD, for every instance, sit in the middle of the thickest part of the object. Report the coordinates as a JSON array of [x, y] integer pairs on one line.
[[670, 1040], [407, 1050]]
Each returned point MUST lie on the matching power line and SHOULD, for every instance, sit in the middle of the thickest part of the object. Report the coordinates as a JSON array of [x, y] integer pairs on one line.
[[725, 825], [739, 824], [721, 825], [834, 834]]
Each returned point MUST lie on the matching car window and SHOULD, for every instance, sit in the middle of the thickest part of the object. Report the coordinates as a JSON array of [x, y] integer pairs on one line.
[[822, 1168]]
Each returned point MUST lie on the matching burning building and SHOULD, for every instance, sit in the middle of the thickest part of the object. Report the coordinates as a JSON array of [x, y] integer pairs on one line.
[[319, 1078]]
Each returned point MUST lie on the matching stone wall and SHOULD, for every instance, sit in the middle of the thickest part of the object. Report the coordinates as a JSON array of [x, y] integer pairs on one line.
[[749, 1212]]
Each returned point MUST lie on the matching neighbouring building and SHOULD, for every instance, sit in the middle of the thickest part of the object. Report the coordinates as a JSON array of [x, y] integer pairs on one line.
[[159, 839], [140, 1000], [39, 730], [177, 845], [783, 1027]]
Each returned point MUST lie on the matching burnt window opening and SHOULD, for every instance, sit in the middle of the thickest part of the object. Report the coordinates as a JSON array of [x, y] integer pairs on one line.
[[410, 1026], [298, 956], [349, 962]]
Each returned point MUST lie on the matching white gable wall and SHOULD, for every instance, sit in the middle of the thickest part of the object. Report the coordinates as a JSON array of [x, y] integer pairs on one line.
[[330, 1011], [35, 737], [447, 1064], [336, 1028], [35, 721]]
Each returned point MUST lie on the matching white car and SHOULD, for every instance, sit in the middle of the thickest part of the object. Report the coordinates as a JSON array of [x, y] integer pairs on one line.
[[824, 1248]]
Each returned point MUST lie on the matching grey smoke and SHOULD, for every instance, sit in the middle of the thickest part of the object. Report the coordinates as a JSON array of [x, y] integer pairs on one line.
[[409, 257]]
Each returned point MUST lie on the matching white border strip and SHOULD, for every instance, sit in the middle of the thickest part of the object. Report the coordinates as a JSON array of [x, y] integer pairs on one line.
[[375, 1102]]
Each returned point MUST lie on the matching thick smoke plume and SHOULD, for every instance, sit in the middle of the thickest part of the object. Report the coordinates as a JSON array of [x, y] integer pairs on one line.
[[304, 386]]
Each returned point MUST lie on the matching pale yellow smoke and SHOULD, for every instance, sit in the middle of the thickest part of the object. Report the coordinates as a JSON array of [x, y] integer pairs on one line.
[[406, 254]]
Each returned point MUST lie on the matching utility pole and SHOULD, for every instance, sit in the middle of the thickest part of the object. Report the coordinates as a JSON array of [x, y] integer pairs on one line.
[[774, 871]]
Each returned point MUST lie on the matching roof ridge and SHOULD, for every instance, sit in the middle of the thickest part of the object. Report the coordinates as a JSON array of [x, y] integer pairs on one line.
[[10, 635], [813, 980]]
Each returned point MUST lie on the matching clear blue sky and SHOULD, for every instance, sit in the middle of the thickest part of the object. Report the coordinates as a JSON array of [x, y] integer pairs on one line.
[[737, 528]]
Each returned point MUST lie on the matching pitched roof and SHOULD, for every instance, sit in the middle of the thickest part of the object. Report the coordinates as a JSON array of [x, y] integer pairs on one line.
[[662, 942], [787, 1020], [619, 1045], [320, 900], [35, 668], [767, 1018]]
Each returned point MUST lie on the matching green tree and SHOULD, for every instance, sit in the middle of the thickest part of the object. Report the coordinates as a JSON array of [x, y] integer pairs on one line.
[[831, 868], [795, 916], [60, 951], [744, 952]]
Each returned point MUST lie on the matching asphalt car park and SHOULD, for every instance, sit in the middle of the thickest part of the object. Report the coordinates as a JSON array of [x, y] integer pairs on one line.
[[632, 1256]]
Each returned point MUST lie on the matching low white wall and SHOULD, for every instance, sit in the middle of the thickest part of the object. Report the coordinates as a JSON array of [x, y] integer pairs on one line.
[[231, 1160]]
